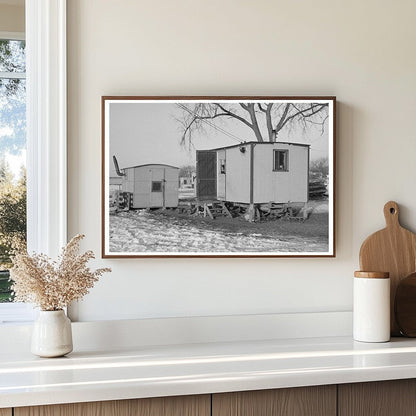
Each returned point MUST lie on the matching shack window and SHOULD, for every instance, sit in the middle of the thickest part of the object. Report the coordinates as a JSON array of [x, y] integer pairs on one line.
[[156, 186], [222, 165], [281, 159]]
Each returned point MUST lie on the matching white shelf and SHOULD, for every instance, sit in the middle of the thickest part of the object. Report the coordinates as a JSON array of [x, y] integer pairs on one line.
[[150, 371]]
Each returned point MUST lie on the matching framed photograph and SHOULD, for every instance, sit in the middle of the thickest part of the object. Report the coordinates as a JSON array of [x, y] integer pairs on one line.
[[218, 176]]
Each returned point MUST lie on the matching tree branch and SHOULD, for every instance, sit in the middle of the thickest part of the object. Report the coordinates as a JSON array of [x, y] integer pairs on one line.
[[256, 115], [255, 124], [261, 108], [272, 133], [321, 123], [233, 115], [301, 113], [195, 118], [281, 122]]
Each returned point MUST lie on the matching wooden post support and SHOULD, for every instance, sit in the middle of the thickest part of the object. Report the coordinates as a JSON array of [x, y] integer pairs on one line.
[[251, 213], [225, 210], [209, 211]]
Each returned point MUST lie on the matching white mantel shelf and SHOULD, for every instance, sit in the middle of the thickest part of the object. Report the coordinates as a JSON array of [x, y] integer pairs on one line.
[[151, 371]]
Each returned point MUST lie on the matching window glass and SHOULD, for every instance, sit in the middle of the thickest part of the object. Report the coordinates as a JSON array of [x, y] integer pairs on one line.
[[222, 165], [156, 186], [281, 160], [12, 56], [12, 156]]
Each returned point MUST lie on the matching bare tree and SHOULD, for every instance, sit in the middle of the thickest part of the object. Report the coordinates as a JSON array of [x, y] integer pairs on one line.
[[320, 167], [265, 120]]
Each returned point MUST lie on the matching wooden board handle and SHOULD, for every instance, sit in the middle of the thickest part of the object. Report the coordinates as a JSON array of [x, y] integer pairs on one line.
[[391, 214]]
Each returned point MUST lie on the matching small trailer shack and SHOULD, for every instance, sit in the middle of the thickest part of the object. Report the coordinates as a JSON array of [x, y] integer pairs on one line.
[[151, 185], [115, 183], [254, 173]]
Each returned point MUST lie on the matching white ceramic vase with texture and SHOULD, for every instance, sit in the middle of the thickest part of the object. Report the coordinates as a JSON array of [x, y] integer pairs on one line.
[[52, 334]]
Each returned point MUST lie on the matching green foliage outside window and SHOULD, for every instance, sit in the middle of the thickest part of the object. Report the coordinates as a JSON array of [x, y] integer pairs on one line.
[[12, 224], [12, 146]]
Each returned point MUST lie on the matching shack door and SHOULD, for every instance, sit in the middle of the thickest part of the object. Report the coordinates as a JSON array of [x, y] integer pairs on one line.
[[157, 188], [206, 173]]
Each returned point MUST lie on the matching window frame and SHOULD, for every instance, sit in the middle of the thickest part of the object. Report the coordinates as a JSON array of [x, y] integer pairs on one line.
[[275, 159], [46, 136], [153, 186], [46, 125]]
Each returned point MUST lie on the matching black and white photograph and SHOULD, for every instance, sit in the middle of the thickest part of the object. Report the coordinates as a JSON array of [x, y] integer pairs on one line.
[[218, 176]]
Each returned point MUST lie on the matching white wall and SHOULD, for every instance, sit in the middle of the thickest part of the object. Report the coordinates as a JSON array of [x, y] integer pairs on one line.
[[361, 51]]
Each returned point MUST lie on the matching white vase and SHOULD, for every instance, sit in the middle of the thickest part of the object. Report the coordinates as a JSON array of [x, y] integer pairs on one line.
[[52, 334]]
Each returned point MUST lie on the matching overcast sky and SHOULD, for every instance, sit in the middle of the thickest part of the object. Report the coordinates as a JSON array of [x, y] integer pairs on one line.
[[142, 133]]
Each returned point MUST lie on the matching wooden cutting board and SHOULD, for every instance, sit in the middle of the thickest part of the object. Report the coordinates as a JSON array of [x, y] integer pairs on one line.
[[393, 250]]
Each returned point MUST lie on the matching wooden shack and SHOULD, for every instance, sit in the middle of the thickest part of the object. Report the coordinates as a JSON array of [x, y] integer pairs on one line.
[[254, 173], [151, 185]]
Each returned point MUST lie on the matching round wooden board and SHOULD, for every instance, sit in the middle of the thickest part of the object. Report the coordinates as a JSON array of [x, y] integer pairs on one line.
[[393, 250], [405, 306]]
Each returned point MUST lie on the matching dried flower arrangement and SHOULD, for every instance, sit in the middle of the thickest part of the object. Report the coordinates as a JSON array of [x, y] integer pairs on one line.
[[53, 285]]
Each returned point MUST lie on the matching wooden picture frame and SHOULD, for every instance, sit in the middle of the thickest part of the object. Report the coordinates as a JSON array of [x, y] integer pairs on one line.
[[238, 176]]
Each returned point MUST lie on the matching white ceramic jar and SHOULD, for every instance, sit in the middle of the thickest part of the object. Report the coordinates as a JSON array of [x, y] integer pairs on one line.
[[52, 334], [371, 309]]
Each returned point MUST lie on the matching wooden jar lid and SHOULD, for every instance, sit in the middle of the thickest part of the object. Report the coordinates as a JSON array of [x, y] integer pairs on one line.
[[372, 275]]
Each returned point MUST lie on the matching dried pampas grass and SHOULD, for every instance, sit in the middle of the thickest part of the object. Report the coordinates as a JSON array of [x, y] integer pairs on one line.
[[53, 285]]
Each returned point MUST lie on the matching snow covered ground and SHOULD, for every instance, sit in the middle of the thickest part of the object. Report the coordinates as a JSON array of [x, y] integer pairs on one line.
[[141, 231]]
